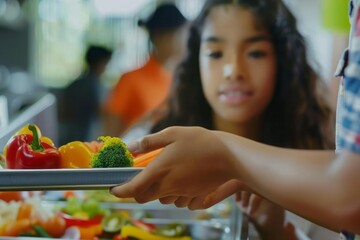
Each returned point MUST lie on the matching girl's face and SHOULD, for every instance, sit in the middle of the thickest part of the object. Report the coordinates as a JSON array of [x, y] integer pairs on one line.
[[237, 64]]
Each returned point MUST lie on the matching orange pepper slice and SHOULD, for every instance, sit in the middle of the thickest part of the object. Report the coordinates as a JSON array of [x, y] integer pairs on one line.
[[75, 155]]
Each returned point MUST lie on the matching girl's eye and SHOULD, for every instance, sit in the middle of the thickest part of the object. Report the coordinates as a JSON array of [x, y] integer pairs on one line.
[[257, 54], [215, 55]]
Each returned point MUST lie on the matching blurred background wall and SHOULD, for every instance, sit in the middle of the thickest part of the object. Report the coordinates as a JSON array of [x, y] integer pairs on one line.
[[42, 42], [48, 38]]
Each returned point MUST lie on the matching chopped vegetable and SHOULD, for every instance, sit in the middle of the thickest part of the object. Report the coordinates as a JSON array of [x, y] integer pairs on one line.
[[91, 207], [114, 222], [41, 232], [148, 227], [82, 213], [29, 218], [88, 207], [2, 161], [26, 211], [90, 232], [15, 228], [72, 206], [10, 196], [54, 225], [94, 145], [73, 221], [172, 230], [112, 154], [144, 159]]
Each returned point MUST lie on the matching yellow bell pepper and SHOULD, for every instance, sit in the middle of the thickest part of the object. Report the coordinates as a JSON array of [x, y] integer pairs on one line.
[[131, 231], [25, 130], [75, 155]]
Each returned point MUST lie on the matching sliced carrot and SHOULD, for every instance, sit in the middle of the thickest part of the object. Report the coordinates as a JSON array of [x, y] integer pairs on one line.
[[144, 159], [68, 194]]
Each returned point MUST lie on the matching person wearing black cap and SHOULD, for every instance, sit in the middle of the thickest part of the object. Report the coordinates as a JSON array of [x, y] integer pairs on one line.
[[140, 93]]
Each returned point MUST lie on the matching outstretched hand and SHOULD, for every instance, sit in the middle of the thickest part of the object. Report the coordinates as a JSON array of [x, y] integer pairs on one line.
[[195, 169]]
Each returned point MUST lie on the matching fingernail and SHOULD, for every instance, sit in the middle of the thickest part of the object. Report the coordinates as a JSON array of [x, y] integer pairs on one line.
[[111, 189]]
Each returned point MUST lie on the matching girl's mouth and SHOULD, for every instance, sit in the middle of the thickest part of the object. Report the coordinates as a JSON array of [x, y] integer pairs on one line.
[[234, 97]]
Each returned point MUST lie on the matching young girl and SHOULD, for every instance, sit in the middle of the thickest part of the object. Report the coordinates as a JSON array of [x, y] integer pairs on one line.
[[246, 73]]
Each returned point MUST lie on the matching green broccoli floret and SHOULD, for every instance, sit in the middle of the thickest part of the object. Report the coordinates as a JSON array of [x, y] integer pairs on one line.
[[112, 154]]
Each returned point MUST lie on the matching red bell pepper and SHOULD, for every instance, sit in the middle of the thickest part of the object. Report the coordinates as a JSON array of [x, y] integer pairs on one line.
[[73, 221], [26, 151]]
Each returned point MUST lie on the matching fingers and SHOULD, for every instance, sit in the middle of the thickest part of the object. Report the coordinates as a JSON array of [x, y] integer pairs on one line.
[[150, 194], [168, 200], [139, 185], [197, 203], [254, 202], [182, 202], [238, 197], [222, 192], [151, 142], [290, 232], [245, 199]]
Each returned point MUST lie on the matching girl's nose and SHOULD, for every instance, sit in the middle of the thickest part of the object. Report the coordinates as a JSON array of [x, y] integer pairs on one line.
[[234, 69], [227, 70]]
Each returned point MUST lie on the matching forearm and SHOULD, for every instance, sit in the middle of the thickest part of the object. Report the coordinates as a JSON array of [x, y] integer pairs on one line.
[[309, 183]]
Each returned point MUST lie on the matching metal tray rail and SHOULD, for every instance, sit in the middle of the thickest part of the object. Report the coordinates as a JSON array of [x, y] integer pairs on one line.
[[64, 179]]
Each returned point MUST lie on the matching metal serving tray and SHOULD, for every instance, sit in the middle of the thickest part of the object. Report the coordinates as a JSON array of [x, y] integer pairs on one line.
[[64, 179]]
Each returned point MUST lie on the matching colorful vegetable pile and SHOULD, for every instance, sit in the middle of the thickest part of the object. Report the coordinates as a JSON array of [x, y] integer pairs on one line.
[[79, 219], [29, 218], [29, 149]]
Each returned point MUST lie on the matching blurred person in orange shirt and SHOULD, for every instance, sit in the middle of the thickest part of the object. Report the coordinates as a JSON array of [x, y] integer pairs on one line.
[[141, 93]]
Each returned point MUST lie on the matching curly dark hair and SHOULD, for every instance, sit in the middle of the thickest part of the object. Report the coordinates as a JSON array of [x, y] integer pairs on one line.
[[298, 115]]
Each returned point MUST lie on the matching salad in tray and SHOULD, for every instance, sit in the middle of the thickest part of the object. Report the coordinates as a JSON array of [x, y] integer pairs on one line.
[[78, 219]]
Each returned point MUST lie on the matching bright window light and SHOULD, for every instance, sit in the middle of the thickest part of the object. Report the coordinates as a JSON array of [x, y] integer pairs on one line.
[[119, 7]]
